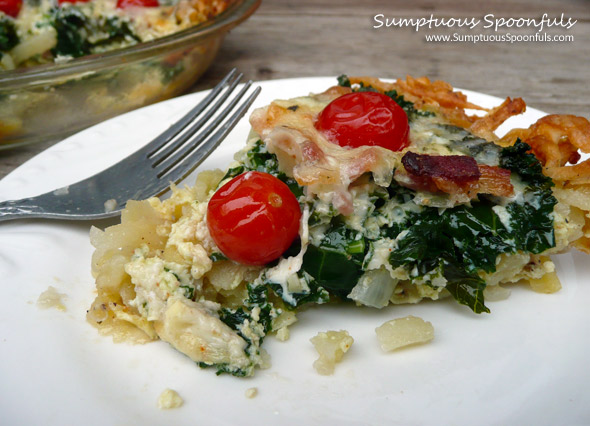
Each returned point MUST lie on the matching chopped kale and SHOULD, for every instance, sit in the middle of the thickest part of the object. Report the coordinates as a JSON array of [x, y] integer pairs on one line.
[[343, 81], [113, 29], [234, 318], [456, 243], [470, 239], [169, 72], [259, 159], [258, 297], [315, 294], [459, 243], [531, 217], [8, 36], [336, 262], [466, 288], [225, 369], [217, 256], [406, 105], [363, 88], [233, 172], [71, 26], [189, 292], [463, 141], [517, 158], [78, 34]]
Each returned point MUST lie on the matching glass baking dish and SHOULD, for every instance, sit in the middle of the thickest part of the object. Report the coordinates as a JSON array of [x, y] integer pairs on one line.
[[50, 102]]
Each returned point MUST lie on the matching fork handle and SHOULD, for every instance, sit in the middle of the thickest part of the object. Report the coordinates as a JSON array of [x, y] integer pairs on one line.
[[20, 209]]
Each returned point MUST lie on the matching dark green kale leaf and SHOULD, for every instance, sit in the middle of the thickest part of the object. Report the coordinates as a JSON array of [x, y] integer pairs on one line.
[[421, 245], [336, 263], [411, 111], [259, 159], [517, 159], [170, 71], [343, 81], [432, 244], [233, 172], [234, 318], [532, 220], [258, 297], [531, 217], [478, 235], [78, 34], [316, 294], [406, 105], [464, 141], [8, 36], [468, 239], [466, 288], [225, 369], [474, 236], [465, 239], [217, 256], [363, 88], [189, 292], [112, 29], [72, 32]]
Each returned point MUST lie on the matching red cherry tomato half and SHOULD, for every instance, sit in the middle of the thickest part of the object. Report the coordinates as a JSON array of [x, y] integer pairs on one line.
[[365, 118], [11, 7], [253, 218], [124, 4]]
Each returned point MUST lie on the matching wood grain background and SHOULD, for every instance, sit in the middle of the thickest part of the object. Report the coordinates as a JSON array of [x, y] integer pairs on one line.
[[301, 38]]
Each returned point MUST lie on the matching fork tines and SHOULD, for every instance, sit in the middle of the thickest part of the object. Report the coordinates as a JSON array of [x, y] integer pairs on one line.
[[176, 152]]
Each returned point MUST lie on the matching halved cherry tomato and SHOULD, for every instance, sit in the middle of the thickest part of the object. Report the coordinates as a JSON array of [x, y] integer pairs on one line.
[[11, 7], [253, 218], [365, 118], [124, 4]]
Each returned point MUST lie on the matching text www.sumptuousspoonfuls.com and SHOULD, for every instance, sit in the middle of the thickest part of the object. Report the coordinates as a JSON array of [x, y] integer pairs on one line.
[[495, 27], [502, 38]]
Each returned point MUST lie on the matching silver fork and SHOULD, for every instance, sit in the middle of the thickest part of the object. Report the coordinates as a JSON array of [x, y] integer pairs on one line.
[[170, 157]]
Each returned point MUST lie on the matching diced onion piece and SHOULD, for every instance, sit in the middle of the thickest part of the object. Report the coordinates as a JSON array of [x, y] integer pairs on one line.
[[169, 399], [495, 293], [251, 393], [51, 298], [283, 334], [374, 288], [35, 45], [548, 283], [6, 62], [331, 345], [402, 332]]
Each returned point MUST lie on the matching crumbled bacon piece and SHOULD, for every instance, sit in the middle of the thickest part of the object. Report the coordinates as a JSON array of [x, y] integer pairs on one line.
[[457, 175], [458, 168], [494, 181]]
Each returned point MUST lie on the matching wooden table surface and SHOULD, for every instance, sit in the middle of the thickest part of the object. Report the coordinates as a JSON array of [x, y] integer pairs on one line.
[[302, 38]]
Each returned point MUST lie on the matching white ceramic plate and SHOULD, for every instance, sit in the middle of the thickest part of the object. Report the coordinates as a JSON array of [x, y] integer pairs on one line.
[[525, 363]]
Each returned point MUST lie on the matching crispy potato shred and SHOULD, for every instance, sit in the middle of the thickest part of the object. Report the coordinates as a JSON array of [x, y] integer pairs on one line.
[[558, 141]]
